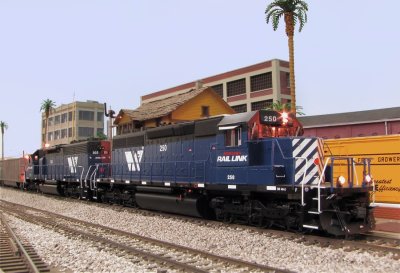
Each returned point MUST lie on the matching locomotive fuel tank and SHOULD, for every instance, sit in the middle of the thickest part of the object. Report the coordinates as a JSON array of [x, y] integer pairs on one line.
[[191, 206]]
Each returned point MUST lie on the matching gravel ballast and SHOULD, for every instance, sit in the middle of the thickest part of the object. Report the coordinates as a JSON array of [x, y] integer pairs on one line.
[[226, 241]]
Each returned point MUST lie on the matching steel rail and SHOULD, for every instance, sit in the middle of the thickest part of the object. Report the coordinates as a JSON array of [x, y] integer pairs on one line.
[[21, 249]]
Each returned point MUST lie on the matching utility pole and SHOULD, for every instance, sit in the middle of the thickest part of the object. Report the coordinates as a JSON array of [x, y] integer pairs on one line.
[[111, 115]]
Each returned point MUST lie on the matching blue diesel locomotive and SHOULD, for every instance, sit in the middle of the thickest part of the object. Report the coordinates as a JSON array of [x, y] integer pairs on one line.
[[248, 167], [252, 168]]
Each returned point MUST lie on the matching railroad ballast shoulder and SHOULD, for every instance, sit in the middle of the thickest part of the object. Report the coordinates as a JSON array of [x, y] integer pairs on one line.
[[249, 167]]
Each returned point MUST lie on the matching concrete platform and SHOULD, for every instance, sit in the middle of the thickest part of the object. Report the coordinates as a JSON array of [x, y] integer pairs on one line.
[[387, 225]]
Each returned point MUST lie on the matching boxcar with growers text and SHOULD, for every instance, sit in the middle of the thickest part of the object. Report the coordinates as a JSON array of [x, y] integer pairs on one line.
[[384, 152]]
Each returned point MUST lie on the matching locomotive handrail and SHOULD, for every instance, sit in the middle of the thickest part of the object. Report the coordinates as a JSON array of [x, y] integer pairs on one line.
[[81, 180], [353, 164], [319, 183], [304, 177], [354, 171], [87, 174], [92, 179]]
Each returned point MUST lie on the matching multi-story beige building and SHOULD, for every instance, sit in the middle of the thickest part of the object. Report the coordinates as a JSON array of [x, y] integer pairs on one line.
[[245, 89], [73, 122]]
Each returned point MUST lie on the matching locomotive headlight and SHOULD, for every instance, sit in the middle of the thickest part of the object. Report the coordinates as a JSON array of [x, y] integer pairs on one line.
[[285, 117], [341, 180], [368, 178]]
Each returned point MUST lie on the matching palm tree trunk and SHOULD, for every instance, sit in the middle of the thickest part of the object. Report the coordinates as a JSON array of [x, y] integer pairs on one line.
[[2, 143], [289, 21], [46, 128], [292, 78]]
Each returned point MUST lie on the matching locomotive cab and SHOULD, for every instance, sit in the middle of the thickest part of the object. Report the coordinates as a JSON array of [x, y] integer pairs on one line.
[[262, 142]]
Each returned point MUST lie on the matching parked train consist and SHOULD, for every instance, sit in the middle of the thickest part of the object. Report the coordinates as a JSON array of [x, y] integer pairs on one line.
[[248, 167]]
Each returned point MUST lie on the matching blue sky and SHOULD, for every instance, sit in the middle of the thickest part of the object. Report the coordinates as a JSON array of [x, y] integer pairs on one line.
[[347, 56]]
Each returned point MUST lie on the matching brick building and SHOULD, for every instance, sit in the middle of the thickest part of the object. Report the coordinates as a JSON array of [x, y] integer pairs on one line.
[[245, 89], [353, 124]]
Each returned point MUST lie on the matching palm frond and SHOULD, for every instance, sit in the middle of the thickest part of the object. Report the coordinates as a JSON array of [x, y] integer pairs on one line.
[[3, 125], [277, 8], [47, 105]]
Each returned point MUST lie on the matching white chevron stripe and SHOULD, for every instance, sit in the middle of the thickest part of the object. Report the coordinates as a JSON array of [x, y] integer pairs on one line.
[[296, 152], [294, 141], [312, 176], [312, 152], [300, 173]]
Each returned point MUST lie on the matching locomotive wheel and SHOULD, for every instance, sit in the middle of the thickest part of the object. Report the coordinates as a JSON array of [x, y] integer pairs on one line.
[[330, 223]]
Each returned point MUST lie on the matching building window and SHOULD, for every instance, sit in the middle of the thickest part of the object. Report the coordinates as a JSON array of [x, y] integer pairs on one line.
[[50, 120], [288, 79], [233, 137], [57, 120], [56, 135], [69, 116], [240, 108], [236, 87], [50, 136], [258, 105], [261, 81], [63, 133], [219, 89], [205, 111], [100, 116], [69, 132], [64, 118], [86, 115], [85, 131]]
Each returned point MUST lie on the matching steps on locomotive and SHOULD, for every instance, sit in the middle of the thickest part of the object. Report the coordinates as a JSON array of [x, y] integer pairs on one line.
[[86, 194], [314, 212]]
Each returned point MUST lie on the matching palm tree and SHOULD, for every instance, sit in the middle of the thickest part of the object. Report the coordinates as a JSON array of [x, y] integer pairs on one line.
[[279, 106], [3, 126], [293, 11], [47, 106]]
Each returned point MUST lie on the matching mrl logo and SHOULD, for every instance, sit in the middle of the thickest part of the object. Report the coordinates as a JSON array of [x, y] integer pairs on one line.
[[232, 157], [72, 163], [133, 158]]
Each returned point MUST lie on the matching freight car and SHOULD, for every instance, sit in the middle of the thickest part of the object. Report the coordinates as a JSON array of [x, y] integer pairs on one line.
[[12, 172], [384, 152], [250, 167]]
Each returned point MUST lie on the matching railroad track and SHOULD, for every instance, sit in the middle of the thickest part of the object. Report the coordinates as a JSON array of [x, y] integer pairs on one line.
[[367, 242], [17, 255], [159, 254]]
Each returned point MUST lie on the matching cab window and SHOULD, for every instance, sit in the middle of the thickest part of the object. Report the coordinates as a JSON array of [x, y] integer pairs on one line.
[[233, 137]]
